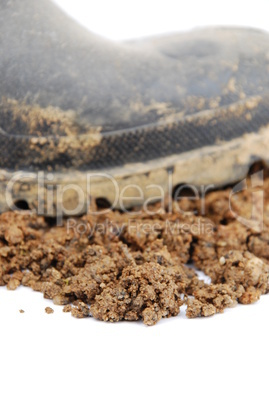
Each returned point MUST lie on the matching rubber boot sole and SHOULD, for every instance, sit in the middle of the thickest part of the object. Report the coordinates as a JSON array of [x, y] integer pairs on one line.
[[71, 192]]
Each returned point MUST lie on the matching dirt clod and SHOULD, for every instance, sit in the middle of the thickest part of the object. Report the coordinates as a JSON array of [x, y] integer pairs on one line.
[[113, 270], [49, 310]]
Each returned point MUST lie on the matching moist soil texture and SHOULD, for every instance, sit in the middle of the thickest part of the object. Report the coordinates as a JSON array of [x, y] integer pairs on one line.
[[142, 265]]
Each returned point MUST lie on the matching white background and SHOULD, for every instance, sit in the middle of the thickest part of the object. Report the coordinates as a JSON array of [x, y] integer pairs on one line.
[[121, 19], [56, 357]]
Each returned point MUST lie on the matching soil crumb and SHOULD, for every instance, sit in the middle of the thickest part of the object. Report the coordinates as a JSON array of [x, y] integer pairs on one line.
[[49, 310], [115, 267]]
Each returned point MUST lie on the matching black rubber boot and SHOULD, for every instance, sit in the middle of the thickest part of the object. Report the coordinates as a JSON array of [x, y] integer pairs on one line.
[[193, 105]]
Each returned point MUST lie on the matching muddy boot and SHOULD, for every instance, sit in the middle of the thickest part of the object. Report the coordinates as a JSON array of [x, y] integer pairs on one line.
[[81, 117]]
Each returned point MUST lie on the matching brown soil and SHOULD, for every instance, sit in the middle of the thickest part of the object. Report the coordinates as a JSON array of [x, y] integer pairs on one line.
[[122, 267], [49, 310]]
